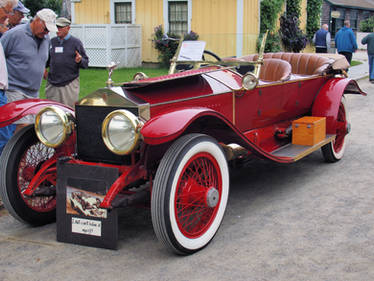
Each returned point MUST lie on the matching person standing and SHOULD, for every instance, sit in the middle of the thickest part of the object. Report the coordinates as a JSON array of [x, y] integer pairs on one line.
[[369, 40], [345, 41], [66, 57], [19, 12], [322, 39], [6, 7], [26, 48], [6, 10]]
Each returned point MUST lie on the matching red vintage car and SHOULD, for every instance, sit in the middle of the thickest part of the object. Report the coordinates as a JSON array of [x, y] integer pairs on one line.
[[176, 135]]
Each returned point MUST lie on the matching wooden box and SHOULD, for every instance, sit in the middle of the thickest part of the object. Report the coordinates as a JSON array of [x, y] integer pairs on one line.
[[308, 130]]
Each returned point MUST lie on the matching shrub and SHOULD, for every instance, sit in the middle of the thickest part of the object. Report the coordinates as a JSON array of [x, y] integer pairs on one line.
[[293, 39], [166, 46], [367, 25], [313, 17]]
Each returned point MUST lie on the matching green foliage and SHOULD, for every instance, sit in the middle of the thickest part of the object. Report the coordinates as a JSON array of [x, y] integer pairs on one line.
[[313, 10], [367, 25], [166, 48], [293, 39], [293, 8], [272, 42], [270, 10], [36, 5]]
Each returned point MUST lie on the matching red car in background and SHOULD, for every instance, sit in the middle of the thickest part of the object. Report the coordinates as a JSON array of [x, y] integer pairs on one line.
[[177, 135]]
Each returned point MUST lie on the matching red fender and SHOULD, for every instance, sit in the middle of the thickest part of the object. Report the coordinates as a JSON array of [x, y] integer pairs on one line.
[[13, 111], [160, 130], [328, 100]]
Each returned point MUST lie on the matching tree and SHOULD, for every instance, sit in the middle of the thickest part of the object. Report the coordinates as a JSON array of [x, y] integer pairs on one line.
[[36, 5]]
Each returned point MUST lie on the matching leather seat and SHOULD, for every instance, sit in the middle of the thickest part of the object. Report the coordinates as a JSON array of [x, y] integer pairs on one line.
[[275, 70], [301, 63]]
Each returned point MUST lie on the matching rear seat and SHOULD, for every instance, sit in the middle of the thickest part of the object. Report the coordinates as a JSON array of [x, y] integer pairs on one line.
[[301, 63]]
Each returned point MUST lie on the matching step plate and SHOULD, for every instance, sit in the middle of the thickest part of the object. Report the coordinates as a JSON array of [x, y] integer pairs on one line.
[[296, 152]]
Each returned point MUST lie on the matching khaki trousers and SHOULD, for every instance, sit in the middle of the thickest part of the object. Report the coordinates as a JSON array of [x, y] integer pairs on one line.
[[66, 94]]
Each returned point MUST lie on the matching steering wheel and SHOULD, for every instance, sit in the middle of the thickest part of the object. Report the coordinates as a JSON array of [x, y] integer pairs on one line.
[[209, 53], [187, 66]]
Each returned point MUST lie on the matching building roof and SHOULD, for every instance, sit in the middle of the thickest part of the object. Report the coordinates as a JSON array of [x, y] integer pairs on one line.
[[360, 4]]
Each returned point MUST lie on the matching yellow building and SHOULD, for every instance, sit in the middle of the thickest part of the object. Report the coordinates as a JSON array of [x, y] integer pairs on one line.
[[230, 27]]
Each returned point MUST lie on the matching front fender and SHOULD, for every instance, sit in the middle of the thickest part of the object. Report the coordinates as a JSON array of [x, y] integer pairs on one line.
[[170, 125], [328, 100], [13, 111]]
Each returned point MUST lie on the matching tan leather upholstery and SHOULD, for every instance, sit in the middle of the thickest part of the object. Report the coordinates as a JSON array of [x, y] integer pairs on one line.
[[275, 70], [301, 63]]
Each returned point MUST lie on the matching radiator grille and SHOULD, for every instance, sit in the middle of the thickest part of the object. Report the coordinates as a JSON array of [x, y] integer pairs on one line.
[[90, 145]]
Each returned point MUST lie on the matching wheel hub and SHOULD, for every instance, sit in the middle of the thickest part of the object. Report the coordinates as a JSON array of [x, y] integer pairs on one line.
[[212, 197]]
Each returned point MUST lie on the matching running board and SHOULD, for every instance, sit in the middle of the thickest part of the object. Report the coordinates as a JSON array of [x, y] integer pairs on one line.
[[296, 152]]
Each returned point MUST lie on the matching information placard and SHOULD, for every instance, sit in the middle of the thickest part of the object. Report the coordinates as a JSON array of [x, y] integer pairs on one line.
[[191, 51], [80, 220]]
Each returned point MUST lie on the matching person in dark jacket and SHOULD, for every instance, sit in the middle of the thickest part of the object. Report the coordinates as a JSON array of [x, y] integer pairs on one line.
[[66, 57], [322, 39], [345, 41], [369, 40]]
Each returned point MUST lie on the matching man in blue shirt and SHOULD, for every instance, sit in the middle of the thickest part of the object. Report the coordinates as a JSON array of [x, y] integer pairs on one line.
[[322, 39], [26, 48], [345, 41]]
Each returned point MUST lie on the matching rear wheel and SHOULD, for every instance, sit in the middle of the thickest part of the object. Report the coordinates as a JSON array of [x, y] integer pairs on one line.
[[334, 151], [22, 157], [190, 193]]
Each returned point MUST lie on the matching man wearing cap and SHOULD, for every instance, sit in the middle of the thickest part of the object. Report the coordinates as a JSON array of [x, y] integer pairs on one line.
[[6, 10], [19, 12], [26, 48], [66, 57], [6, 7]]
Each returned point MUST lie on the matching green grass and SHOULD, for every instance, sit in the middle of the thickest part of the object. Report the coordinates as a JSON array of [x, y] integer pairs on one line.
[[94, 78], [355, 62]]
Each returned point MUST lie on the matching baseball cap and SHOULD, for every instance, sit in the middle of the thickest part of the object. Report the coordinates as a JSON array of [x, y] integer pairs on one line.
[[20, 7], [62, 22], [49, 18]]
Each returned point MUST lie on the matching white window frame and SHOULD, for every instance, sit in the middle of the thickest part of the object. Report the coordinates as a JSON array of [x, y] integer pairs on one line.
[[112, 11], [166, 13]]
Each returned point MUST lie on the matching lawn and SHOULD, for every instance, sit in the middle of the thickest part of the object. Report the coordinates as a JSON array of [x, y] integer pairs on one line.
[[94, 78], [355, 62]]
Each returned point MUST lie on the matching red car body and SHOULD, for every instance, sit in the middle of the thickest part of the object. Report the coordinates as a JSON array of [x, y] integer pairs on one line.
[[206, 110]]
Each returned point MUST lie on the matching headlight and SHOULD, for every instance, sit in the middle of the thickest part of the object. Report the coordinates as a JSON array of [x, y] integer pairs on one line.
[[53, 125], [249, 81], [120, 131]]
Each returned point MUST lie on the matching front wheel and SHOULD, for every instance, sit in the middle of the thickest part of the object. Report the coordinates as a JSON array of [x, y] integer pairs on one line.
[[334, 151], [22, 157], [190, 193]]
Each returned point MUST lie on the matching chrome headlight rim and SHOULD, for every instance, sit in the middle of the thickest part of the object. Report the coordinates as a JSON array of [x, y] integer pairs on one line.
[[136, 125], [249, 77], [66, 120]]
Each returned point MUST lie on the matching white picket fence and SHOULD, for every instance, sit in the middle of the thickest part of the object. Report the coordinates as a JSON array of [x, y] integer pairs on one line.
[[106, 43]]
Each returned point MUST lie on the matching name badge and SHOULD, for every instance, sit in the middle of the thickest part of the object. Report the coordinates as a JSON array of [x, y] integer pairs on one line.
[[59, 50]]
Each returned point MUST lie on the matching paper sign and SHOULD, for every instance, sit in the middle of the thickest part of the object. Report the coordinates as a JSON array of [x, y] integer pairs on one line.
[[88, 227], [191, 51]]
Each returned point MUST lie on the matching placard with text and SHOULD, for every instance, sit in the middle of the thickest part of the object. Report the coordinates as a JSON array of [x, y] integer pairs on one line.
[[80, 220]]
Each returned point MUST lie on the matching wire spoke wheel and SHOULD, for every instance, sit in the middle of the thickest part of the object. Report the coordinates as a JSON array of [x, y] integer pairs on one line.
[[190, 193], [21, 159]]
